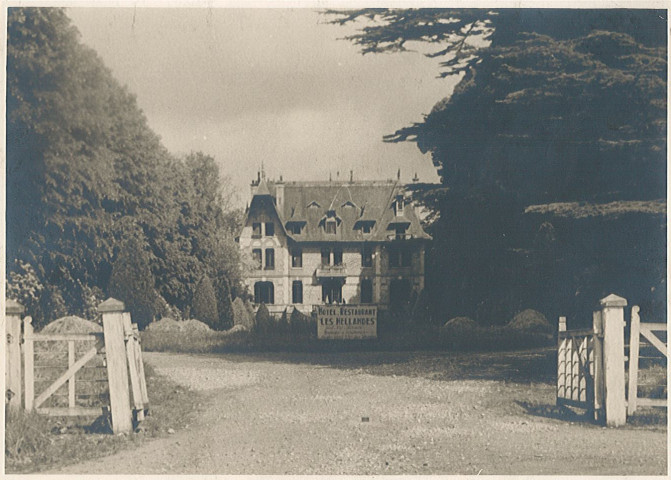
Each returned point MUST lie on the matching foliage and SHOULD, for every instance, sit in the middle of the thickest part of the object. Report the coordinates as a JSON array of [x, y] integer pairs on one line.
[[133, 283], [531, 321], [301, 324], [196, 341], [264, 321], [85, 172], [241, 315], [421, 311], [551, 106], [35, 442], [283, 323], [224, 304], [458, 330], [204, 307], [24, 286]]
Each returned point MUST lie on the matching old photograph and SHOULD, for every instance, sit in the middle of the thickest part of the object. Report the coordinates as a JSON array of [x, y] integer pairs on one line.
[[324, 240]]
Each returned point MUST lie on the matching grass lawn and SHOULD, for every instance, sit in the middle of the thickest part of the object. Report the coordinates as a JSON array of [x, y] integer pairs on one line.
[[35, 442]]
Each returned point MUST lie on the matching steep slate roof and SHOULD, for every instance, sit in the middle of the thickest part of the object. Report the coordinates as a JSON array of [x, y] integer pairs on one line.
[[351, 202]]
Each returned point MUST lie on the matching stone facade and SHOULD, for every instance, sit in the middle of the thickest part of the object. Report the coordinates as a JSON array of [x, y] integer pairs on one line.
[[310, 243]]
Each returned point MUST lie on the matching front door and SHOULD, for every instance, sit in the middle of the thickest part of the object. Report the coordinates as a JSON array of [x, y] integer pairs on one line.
[[332, 291]]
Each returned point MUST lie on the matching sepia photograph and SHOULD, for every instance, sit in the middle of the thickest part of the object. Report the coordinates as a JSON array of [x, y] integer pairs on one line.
[[326, 239]]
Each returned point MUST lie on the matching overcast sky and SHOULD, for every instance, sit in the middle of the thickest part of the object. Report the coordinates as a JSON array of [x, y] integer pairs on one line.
[[275, 86]]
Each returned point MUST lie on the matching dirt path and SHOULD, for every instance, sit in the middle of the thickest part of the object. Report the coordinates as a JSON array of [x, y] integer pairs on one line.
[[266, 416]]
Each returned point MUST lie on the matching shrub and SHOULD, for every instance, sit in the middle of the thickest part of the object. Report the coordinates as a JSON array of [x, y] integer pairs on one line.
[[530, 321], [301, 324], [133, 283], [204, 304], [25, 287], [460, 333], [283, 324], [263, 321], [224, 304], [241, 316]]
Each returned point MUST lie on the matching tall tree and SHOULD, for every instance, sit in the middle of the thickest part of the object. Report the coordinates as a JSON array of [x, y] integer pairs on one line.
[[552, 105], [85, 172]]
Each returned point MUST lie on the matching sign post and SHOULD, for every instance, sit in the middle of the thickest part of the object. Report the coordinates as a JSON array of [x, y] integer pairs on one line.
[[346, 322]]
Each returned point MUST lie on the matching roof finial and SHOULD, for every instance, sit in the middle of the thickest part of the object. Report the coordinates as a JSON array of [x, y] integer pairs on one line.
[[351, 176], [415, 178], [398, 174], [330, 178]]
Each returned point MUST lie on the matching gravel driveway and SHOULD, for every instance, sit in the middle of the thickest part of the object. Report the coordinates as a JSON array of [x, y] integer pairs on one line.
[[296, 415]]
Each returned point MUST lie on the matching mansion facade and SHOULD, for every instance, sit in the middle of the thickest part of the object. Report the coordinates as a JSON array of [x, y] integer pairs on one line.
[[315, 243]]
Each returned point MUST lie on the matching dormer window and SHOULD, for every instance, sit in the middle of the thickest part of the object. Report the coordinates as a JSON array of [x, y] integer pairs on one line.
[[399, 204], [366, 226], [400, 231], [256, 230], [294, 228], [330, 226], [270, 229]]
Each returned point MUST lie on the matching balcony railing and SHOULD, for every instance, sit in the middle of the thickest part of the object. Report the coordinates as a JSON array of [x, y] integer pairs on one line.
[[331, 270]]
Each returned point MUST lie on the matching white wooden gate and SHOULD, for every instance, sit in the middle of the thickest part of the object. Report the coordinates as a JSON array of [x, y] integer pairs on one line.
[[643, 329]]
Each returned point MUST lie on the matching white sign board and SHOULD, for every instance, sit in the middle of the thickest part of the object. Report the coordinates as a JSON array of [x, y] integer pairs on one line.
[[346, 322]]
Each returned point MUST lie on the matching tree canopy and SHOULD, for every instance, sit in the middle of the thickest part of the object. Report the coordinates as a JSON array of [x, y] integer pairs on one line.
[[85, 173], [552, 105]]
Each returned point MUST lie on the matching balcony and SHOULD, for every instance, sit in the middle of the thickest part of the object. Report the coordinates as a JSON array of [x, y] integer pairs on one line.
[[331, 271]]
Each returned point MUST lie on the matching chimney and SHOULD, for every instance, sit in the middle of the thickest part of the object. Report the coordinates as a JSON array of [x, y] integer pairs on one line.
[[279, 196]]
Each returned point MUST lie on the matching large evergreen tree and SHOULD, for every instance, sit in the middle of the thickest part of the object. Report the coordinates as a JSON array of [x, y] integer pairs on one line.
[[553, 105]]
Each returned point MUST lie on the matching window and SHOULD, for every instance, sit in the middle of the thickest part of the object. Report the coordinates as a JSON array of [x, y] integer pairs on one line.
[[366, 256], [270, 229], [256, 230], [366, 291], [337, 256], [332, 291], [256, 255], [330, 226], [297, 291], [400, 231], [367, 227], [294, 228], [296, 258], [326, 257], [399, 257], [270, 259], [264, 292]]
